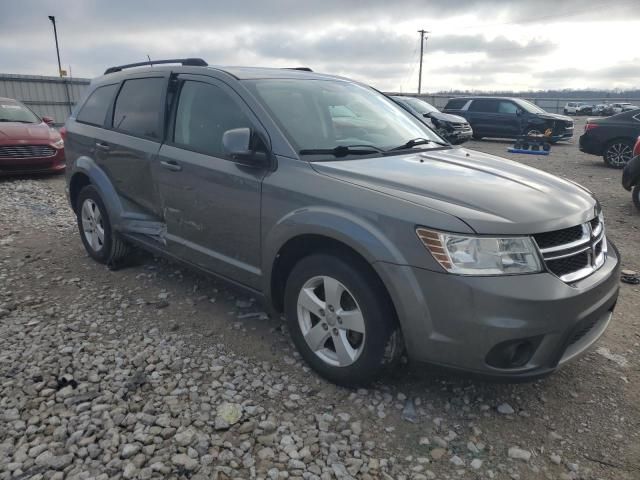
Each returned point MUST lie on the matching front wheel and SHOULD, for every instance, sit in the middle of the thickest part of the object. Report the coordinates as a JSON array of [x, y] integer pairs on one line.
[[98, 238], [618, 153], [341, 319], [636, 196]]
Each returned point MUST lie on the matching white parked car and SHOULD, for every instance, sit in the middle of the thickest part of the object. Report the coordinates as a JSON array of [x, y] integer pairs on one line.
[[578, 108], [623, 107]]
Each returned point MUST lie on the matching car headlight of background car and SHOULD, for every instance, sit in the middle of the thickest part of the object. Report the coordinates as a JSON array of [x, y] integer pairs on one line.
[[58, 143], [476, 255]]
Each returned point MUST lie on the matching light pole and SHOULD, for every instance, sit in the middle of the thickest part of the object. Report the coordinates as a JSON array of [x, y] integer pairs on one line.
[[422, 39], [66, 87]]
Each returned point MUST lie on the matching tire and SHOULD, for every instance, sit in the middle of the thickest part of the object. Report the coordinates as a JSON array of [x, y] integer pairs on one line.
[[477, 137], [346, 356], [106, 247], [617, 153], [636, 196]]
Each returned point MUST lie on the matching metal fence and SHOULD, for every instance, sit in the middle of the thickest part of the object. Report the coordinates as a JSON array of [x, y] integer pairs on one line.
[[50, 96], [553, 105]]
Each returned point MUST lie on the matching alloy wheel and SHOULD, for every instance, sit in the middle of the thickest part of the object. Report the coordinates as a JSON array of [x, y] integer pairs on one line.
[[92, 225], [331, 321], [619, 154]]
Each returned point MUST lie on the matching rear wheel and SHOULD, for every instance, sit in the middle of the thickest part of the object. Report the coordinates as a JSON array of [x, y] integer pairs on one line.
[[99, 240], [618, 153], [636, 196], [341, 319]]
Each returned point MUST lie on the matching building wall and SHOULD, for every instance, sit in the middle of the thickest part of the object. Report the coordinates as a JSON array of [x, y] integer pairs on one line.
[[44, 95]]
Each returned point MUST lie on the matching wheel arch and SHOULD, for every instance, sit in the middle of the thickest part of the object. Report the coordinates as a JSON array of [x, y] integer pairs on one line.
[[87, 172]]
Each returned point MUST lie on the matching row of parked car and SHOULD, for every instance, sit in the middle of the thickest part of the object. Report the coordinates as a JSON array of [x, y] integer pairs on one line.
[[340, 209], [602, 109]]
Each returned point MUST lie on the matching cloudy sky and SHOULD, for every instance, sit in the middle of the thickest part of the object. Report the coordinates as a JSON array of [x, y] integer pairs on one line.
[[473, 44]]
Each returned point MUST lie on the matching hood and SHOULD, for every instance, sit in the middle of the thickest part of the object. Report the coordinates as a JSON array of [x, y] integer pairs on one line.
[[490, 194], [14, 132], [555, 116], [447, 117]]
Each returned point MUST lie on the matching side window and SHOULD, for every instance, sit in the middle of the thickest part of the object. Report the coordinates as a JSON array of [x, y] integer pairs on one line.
[[94, 110], [484, 105], [507, 107], [455, 104], [204, 113], [139, 107]]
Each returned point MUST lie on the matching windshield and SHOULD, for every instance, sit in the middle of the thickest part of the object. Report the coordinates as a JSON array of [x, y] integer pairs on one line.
[[325, 114], [529, 107], [11, 111], [418, 105]]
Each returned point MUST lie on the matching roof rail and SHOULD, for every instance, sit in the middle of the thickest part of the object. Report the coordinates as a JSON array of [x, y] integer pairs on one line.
[[304, 69], [191, 62]]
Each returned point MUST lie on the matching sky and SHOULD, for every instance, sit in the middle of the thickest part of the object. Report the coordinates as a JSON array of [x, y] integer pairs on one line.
[[478, 45]]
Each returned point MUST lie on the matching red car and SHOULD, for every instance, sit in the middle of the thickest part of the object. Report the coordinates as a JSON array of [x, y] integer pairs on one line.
[[28, 143]]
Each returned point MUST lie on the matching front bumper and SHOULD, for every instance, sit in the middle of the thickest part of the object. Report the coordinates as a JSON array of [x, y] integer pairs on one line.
[[456, 321], [459, 136], [30, 165]]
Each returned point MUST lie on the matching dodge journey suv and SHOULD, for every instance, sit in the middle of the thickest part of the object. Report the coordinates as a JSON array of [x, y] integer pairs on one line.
[[368, 231]]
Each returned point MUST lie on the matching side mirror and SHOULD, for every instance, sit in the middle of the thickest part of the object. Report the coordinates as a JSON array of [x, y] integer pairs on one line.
[[237, 144], [427, 115], [48, 120]]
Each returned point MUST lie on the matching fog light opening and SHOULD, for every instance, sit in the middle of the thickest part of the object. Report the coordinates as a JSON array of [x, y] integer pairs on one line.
[[513, 353]]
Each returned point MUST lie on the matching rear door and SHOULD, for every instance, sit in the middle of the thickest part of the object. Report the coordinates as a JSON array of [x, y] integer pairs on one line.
[[482, 114], [211, 203], [130, 145]]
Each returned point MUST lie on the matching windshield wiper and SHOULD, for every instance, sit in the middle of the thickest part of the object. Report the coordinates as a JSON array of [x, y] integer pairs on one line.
[[13, 121], [414, 142], [343, 150]]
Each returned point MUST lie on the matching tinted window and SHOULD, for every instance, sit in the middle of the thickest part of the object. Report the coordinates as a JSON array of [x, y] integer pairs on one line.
[[138, 109], [455, 104], [507, 107], [204, 113], [484, 105], [95, 108]]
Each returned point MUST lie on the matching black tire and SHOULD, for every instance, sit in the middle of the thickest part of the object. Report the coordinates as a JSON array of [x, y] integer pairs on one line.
[[381, 345], [113, 248], [636, 196], [613, 153]]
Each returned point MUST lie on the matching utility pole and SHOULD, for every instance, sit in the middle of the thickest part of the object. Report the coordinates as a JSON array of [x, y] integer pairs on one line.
[[422, 40], [55, 34]]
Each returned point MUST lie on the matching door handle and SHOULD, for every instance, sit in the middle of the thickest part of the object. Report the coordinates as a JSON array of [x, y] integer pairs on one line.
[[171, 165], [103, 146]]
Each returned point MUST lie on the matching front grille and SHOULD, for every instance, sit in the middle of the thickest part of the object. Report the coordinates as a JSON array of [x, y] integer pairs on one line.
[[26, 151], [559, 237], [461, 126], [566, 265], [575, 252]]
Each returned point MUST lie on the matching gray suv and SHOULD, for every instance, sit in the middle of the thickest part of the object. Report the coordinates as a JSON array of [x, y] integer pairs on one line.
[[342, 210]]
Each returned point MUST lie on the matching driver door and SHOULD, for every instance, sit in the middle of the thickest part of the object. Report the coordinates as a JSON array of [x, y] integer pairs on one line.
[[211, 204]]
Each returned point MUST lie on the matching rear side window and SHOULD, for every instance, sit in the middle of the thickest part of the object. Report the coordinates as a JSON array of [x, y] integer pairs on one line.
[[138, 109], [484, 105], [204, 113], [94, 110], [455, 104], [507, 107]]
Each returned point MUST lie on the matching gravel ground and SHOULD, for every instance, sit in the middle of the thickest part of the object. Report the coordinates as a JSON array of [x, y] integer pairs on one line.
[[154, 371]]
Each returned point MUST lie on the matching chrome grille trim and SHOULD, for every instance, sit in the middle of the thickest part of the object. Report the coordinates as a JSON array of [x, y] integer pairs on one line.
[[26, 151], [592, 241]]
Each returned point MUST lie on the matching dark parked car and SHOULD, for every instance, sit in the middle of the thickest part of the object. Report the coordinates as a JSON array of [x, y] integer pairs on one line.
[[612, 137], [342, 210], [453, 128], [503, 117], [631, 175], [28, 144]]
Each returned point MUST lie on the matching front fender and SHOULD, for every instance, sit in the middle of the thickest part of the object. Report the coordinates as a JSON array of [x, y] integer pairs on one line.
[[356, 232], [101, 182]]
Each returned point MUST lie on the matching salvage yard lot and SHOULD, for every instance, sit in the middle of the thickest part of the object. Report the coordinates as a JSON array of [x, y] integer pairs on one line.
[[123, 374]]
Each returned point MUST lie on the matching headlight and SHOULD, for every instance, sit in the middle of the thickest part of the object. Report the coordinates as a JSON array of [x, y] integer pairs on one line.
[[468, 255], [58, 143]]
